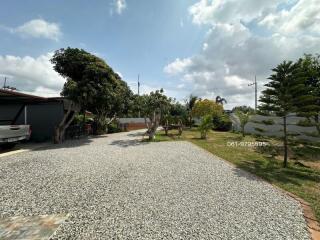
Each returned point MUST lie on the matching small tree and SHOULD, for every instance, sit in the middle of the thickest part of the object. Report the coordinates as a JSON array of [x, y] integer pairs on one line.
[[154, 106], [205, 126], [244, 118], [190, 105], [279, 97], [178, 113], [243, 113]]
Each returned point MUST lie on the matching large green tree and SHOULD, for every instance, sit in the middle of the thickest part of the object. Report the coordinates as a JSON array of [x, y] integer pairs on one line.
[[91, 83], [207, 107], [308, 104], [280, 95]]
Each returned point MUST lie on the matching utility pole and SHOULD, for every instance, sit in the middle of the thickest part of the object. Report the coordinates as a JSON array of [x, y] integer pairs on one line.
[[139, 93], [255, 92], [138, 85], [5, 82]]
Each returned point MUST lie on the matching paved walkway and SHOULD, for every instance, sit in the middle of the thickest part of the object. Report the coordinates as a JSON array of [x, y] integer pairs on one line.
[[117, 187]]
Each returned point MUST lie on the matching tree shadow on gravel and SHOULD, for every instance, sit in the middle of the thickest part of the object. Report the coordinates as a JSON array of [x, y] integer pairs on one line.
[[72, 143], [137, 134], [244, 174], [128, 143], [275, 173]]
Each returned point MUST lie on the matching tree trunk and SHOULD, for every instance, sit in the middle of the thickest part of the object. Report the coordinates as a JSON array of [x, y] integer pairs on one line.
[[154, 124], [101, 121], [63, 125], [285, 142], [151, 135], [203, 134], [243, 134], [84, 118], [180, 128], [166, 128], [317, 121]]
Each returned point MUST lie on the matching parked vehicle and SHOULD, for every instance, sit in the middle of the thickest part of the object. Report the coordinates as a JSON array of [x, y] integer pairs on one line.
[[10, 135]]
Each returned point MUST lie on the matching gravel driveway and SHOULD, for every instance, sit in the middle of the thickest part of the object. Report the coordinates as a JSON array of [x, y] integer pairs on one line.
[[116, 187]]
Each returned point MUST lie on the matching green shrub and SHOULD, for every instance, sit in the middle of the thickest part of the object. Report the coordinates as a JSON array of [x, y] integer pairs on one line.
[[259, 130], [305, 123], [268, 122], [312, 134], [205, 126], [113, 128], [222, 123]]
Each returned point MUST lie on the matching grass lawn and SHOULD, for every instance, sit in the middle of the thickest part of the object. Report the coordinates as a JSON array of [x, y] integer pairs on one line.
[[300, 180]]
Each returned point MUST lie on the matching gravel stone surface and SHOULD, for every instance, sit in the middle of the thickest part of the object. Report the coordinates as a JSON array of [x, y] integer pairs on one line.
[[116, 187]]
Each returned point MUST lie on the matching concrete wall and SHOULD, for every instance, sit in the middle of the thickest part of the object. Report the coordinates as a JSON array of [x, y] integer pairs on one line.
[[42, 117], [276, 129], [132, 120], [129, 124]]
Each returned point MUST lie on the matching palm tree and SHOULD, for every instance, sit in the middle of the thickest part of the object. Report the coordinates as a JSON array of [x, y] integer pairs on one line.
[[220, 100]]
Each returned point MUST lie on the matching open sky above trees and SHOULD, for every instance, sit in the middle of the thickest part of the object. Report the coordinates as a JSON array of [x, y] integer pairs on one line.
[[203, 47]]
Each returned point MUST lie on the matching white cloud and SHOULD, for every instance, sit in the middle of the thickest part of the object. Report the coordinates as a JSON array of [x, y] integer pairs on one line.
[[227, 11], [44, 92], [39, 28], [302, 17], [177, 66], [236, 82], [33, 75], [232, 53], [120, 6]]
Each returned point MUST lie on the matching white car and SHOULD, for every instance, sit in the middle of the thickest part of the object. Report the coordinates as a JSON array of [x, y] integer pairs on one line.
[[10, 135]]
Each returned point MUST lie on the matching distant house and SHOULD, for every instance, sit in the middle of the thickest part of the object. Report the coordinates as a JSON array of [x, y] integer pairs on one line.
[[43, 114]]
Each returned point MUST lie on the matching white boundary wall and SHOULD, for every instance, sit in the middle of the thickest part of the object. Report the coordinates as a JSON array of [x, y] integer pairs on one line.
[[276, 129]]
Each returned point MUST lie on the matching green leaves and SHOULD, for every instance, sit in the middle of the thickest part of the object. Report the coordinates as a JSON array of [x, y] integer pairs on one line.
[[206, 107], [308, 73], [279, 96], [205, 125], [91, 82]]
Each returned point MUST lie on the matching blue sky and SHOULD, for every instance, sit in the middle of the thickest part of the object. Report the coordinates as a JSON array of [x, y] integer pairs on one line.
[[203, 47], [145, 37]]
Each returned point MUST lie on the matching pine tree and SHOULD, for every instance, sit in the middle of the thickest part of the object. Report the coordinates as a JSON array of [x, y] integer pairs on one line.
[[280, 96], [308, 104]]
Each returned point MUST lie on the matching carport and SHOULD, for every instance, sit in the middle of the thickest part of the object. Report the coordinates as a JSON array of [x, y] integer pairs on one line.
[[43, 114]]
